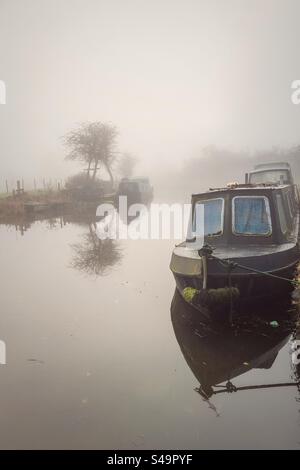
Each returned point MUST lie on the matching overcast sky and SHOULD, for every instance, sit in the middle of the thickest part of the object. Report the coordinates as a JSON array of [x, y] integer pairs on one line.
[[173, 75]]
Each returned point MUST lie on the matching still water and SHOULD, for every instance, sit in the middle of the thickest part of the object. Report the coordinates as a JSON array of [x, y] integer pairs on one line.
[[96, 360]]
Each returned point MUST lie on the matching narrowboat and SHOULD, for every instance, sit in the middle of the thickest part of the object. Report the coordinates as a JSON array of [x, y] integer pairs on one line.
[[137, 190], [271, 172], [248, 250]]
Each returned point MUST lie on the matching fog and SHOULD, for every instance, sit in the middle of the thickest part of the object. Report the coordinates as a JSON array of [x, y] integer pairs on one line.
[[174, 76], [107, 329]]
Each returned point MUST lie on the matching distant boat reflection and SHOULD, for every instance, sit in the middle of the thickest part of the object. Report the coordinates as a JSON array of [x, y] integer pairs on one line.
[[216, 355]]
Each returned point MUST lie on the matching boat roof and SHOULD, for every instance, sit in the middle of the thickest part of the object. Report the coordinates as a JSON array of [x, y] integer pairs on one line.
[[231, 187], [273, 168], [272, 164]]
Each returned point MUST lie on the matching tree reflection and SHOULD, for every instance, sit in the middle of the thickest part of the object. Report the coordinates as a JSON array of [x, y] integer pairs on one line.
[[93, 256]]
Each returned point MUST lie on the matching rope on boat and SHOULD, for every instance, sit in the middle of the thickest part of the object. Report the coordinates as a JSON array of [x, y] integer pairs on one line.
[[232, 265], [207, 252], [230, 387]]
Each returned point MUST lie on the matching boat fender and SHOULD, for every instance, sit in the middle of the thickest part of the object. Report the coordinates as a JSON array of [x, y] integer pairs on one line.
[[211, 297], [189, 293]]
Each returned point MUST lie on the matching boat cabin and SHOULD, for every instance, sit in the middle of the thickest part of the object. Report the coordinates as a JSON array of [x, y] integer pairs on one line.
[[250, 249], [249, 215], [272, 173]]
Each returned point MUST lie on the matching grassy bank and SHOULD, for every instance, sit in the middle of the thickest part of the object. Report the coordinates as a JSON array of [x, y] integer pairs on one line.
[[14, 206]]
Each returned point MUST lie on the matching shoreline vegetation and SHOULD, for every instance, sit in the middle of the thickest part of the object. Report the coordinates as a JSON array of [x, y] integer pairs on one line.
[[94, 146], [91, 144], [49, 202], [14, 206]]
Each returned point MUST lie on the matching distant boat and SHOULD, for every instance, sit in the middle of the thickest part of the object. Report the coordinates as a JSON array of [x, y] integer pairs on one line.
[[271, 172], [137, 190], [250, 247]]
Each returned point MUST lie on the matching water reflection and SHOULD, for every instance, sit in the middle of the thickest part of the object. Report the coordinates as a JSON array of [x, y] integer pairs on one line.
[[24, 224], [296, 352], [83, 215], [58, 323], [217, 354], [93, 256]]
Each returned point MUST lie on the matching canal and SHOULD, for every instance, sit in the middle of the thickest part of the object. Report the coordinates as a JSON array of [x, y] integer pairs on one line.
[[95, 359]]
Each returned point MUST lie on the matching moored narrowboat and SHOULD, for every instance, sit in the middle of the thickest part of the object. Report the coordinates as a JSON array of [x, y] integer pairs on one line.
[[249, 248], [137, 190], [271, 172]]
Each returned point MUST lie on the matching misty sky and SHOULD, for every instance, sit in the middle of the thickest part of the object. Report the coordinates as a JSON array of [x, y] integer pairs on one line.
[[173, 75]]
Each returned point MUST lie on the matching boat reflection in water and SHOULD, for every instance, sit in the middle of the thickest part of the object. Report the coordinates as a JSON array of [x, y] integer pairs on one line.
[[217, 354]]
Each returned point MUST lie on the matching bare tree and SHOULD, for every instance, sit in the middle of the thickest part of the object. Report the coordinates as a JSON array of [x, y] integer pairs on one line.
[[93, 144], [126, 165], [108, 156]]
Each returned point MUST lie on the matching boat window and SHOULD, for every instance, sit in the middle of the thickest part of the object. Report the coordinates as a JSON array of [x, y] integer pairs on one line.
[[270, 176], [251, 215], [213, 216], [281, 213]]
